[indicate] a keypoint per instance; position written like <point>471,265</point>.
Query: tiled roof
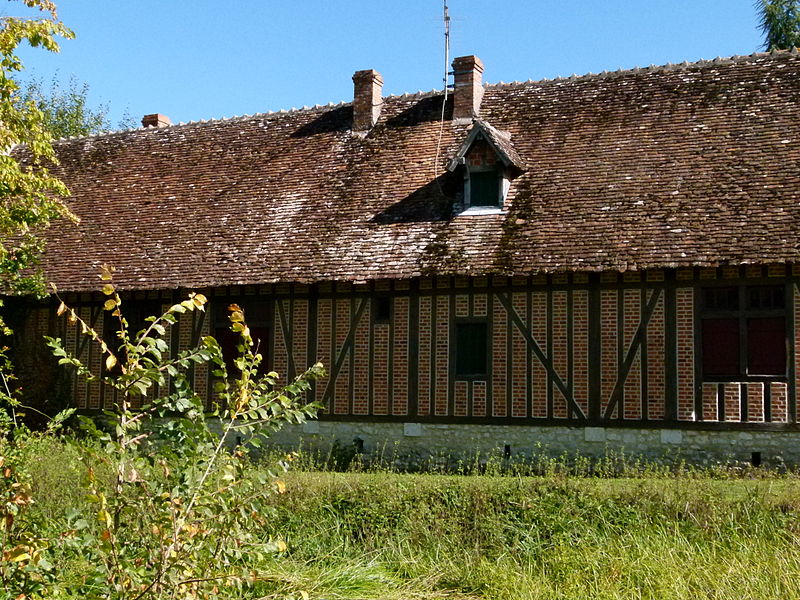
<point>694,164</point>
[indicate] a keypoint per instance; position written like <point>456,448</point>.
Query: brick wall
<point>372,359</point>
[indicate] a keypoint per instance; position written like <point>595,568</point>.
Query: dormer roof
<point>500,142</point>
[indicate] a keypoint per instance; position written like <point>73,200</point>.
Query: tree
<point>66,108</point>
<point>30,197</point>
<point>779,20</point>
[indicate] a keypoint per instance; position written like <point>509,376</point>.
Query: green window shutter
<point>484,188</point>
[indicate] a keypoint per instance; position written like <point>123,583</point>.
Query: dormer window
<point>489,162</point>
<point>484,188</point>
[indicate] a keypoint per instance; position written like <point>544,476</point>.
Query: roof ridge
<point>736,58</point>
<point>421,94</point>
<point>271,114</point>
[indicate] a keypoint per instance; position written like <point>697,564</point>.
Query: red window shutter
<point>721,347</point>
<point>766,346</point>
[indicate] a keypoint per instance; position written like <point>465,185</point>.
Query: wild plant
<point>185,531</point>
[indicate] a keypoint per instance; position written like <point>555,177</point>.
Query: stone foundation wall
<point>418,440</point>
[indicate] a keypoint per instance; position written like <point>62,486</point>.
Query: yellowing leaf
<point>110,304</point>
<point>62,308</point>
<point>108,289</point>
<point>105,272</point>
<point>17,554</point>
<point>104,517</point>
<point>281,546</point>
<point>281,486</point>
<point>111,360</point>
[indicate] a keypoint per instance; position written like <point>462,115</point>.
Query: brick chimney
<point>367,99</point>
<point>467,87</point>
<point>155,120</point>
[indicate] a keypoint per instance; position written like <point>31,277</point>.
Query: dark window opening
<point>256,315</point>
<point>383,309</point>
<point>721,298</point>
<point>743,332</point>
<point>766,297</point>
<point>471,349</point>
<point>484,188</point>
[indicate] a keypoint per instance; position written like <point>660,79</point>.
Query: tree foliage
<point>66,108</point>
<point>30,196</point>
<point>779,20</point>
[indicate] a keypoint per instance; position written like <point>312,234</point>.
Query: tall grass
<point>571,532</point>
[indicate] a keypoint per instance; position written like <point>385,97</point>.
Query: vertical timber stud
<point>290,345</point>
<point>698,356</point>
<point>413,350</point>
<point>371,366</point>
<point>451,370</point>
<point>643,360</point>
<point>570,350</point>
<point>549,345</point>
<point>272,325</point>
<point>594,349</point>
<point>509,359</point>
<point>470,314</point>
<point>329,399</point>
<point>351,375</point>
<point>311,347</point>
<point>528,351</point>
<point>670,352</point>
<point>621,374</point>
<point>490,360</point>
<point>791,388</point>
<point>434,329</point>
<point>390,353</point>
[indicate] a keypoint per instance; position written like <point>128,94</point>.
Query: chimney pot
<point>467,87</point>
<point>155,120</point>
<point>367,99</point>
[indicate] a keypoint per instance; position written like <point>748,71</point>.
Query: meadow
<point>554,530</point>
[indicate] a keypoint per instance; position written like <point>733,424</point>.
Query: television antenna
<point>446,18</point>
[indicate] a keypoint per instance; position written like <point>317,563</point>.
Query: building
<point>610,259</point>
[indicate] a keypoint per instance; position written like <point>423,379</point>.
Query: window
<point>485,188</point>
<point>382,305</point>
<point>256,315</point>
<point>743,332</point>
<point>471,349</point>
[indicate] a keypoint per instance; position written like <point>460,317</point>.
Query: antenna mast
<point>446,47</point>
<point>444,103</point>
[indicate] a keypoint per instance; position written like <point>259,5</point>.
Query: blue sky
<point>204,59</point>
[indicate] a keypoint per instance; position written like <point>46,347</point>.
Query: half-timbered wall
<point>563,349</point>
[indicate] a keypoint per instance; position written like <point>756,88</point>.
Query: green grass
<point>657,533</point>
